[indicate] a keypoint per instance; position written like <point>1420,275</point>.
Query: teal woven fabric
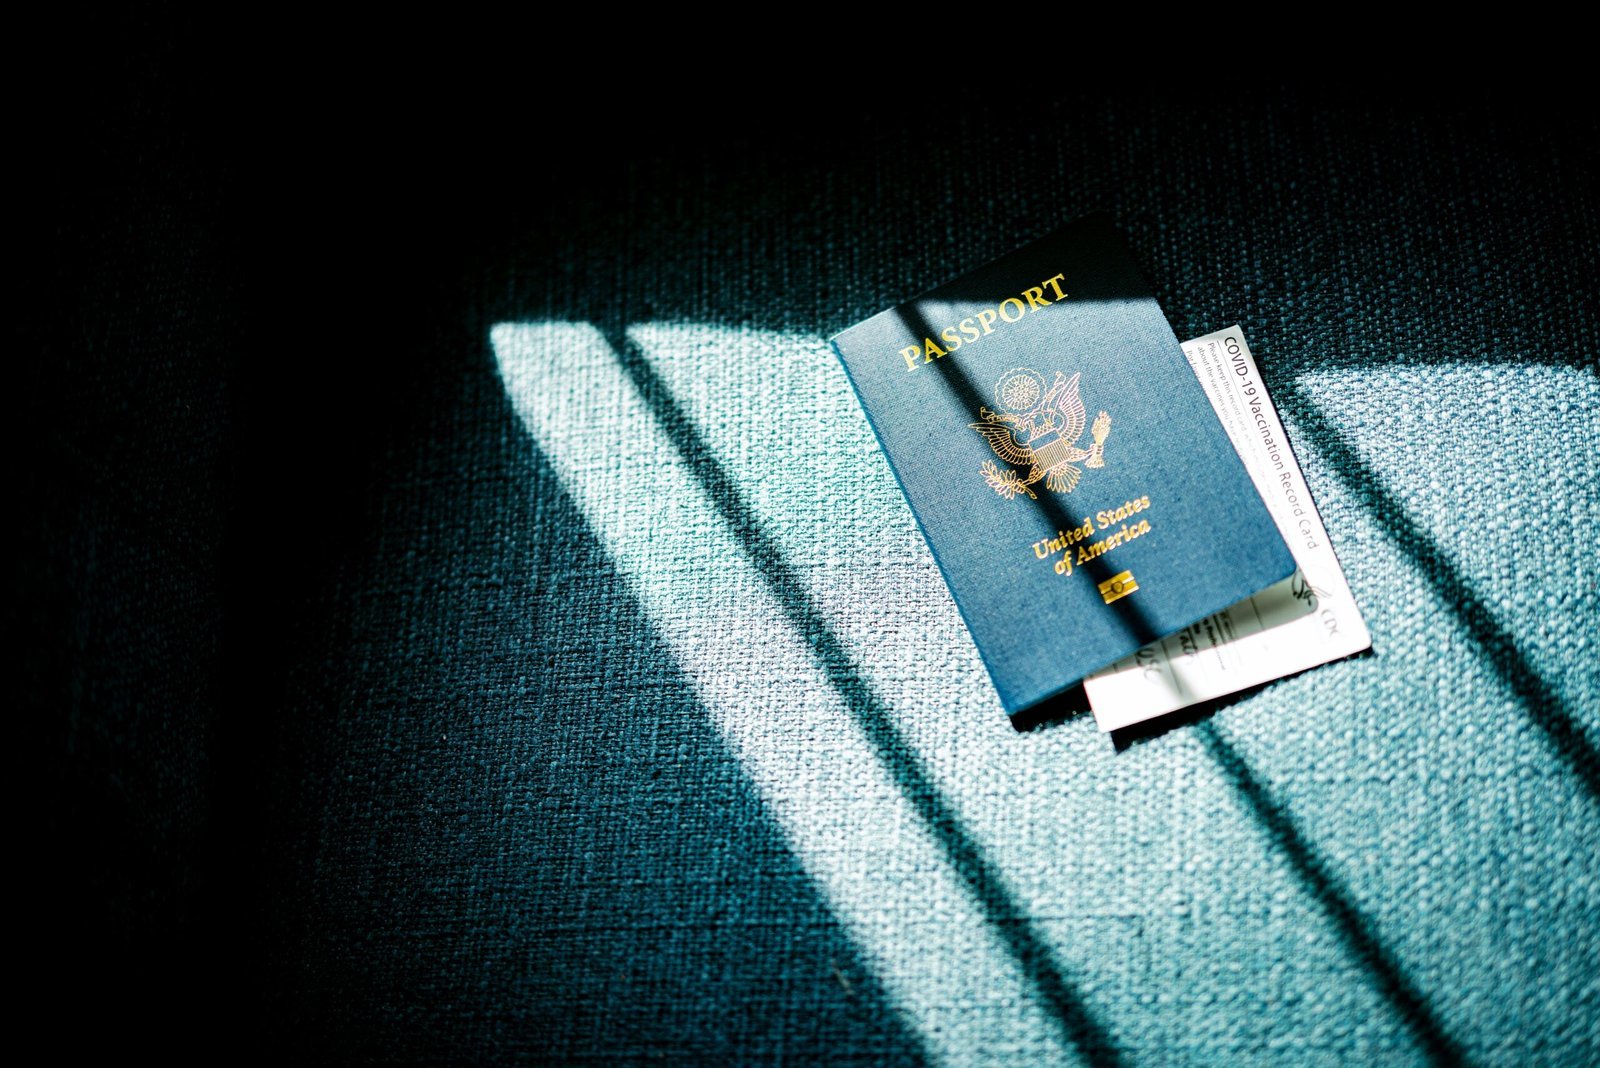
<point>675,743</point>
<point>1391,858</point>
<point>582,691</point>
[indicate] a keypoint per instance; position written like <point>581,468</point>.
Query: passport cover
<point>1071,478</point>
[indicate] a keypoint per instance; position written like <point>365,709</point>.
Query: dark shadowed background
<point>358,742</point>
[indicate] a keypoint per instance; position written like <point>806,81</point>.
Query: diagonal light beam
<point>775,678</point>
<point>1541,701</point>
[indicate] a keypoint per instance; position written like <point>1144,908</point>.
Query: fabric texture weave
<point>603,702</point>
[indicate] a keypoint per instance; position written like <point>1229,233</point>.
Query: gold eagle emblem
<point>1039,429</point>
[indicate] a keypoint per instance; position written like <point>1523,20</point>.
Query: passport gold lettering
<point>983,322</point>
<point>1125,534</point>
<point>1064,540</point>
<point>1069,403</point>
<point>1117,515</point>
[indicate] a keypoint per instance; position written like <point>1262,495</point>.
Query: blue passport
<point>1077,490</point>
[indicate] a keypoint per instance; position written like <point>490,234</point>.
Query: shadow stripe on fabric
<point>1362,944</point>
<point>806,727</point>
<point>724,496</point>
<point>1318,880</point>
<point>1540,700</point>
<point>1011,923</point>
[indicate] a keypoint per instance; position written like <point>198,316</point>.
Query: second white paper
<point>1306,620</point>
